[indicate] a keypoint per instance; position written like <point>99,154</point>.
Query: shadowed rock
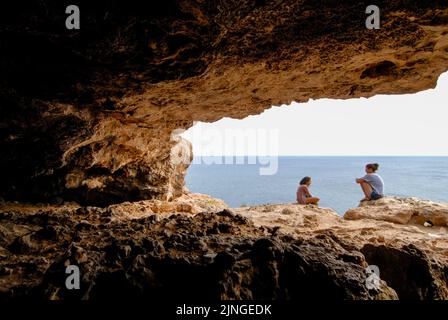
<point>225,254</point>
<point>91,115</point>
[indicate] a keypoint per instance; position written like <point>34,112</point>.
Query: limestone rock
<point>94,115</point>
<point>402,210</point>
<point>243,253</point>
<point>208,256</point>
<point>388,233</point>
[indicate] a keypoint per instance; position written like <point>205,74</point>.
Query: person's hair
<point>305,180</point>
<point>373,166</point>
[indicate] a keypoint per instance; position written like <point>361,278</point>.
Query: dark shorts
<point>375,195</point>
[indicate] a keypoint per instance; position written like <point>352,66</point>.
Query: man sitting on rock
<point>371,184</point>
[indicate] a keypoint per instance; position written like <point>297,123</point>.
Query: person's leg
<point>367,189</point>
<point>312,200</point>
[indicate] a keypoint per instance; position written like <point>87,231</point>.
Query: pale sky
<point>402,125</point>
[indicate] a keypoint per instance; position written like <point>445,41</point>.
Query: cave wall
<point>90,114</point>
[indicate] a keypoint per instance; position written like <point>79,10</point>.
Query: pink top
<point>302,194</point>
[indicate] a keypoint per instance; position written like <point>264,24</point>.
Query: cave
<point>88,116</point>
<point>90,121</point>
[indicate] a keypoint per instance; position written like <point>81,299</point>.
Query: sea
<point>237,180</point>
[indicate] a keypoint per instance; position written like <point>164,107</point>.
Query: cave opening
<point>260,159</point>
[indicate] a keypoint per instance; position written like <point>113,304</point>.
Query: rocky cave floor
<point>196,247</point>
<point>94,116</point>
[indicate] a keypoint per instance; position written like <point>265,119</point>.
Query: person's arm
<point>307,192</point>
<point>366,178</point>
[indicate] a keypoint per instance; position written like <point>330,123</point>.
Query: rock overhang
<point>89,115</point>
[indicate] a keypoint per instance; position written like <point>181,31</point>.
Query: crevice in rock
<point>409,271</point>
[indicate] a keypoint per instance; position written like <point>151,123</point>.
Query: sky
<point>389,125</point>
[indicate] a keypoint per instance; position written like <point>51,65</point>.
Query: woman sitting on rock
<point>371,184</point>
<point>303,194</point>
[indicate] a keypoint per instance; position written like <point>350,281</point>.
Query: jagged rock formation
<point>389,233</point>
<point>284,251</point>
<point>92,116</point>
<point>403,211</point>
<point>89,115</point>
<point>264,252</point>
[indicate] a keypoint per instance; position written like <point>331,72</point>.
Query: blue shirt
<point>376,182</point>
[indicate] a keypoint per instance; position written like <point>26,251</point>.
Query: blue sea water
<point>333,179</point>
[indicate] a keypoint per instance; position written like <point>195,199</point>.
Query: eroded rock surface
<point>402,210</point>
<point>389,233</point>
<point>266,252</point>
<point>89,115</point>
